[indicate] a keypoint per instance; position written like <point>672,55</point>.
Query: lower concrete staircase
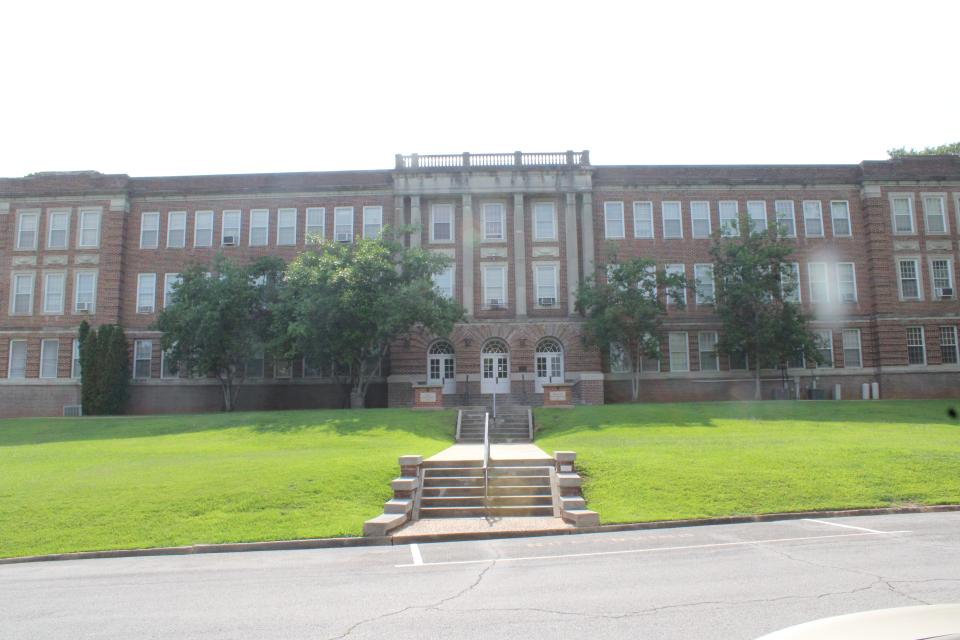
<point>512,424</point>
<point>455,489</point>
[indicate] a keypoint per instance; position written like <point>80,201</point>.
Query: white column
<point>573,257</point>
<point>398,219</point>
<point>519,255</point>
<point>415,220</point>
<point>466,248</point>
<point>586,221</point>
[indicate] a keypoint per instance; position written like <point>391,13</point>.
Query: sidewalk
<point>522,451</point>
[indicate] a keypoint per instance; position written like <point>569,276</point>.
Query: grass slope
<point>665,461</point>
<point>126,482</point>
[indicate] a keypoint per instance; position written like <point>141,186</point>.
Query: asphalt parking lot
<point>725,581</point>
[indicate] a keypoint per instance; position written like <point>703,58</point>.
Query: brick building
<point>876,253</point>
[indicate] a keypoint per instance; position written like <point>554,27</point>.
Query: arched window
<point>549,345</point>
<point>495,346</point>
<point>441,347</point>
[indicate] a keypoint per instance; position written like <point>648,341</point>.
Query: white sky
<point>169,88</point>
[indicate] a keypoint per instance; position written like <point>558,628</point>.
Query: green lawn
<point>100,483</point>
<point>664,461</point>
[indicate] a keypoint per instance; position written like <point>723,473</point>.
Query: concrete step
<point>446,464</point>
<point>514,471</point>
<point>479,512</point>
<point>462,472</point>
<point>511,490</point>
<point>440,492</point>
<point>479,501</point>
<point>518,481</point>
<point>447,481</point>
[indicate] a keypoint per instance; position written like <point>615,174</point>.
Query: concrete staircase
<point>454,489</point>
<point>510,425</point>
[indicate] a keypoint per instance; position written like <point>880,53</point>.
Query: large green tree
<point>218,318</point>
<point>949,149</point>
<point>346,303</point>
<point>625,310</point>
<point>104,369</point>
<point>755,293</point>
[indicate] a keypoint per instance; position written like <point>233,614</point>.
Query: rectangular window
<point>786,222</point>
<point>813,218</point>
<point>544,221</point>
<point>259,227</point>
<point>846,282</point>
<point>255,365</point>
<point>311,369</point>
<point>679,352</point>
<point>672,219</point>
<point>948,345</point>
<point>642,219</point>
<point>22,294</point>
<point>852,357</point>
<point>27,225</point>
<point>934,214</point>
<point>176,229</point>
<point>840,218</point>
<point>493,221</point>
<point>170,280</point>
<point>649,281</point>
<point>146,292</point>
<point>613,220</point>
<point>441,223</point>
<point>941,275</point>
<point>790,281</point>
<point>546,280</point>
<point>709,361</point>
<point>676,294</point>
<point>168,368</point>
<point>53,289</point>
<point>825,340</point>
<point>203,229</point>
<point>494,287</point>
<point>619,360</point>
<point>230,229</point>
<point>757,215</point>
<point>58,228</point>
<point>372,222</point>
<point>916,349</point>
<point>902,214</point>
<point>49,357</point>
<point>17,367</point>
<point>909,279</point>
<point>819,288</point>
<point>700,219</point>
<point>142,357</point>
<point>75,370</point>
<point>443,282</point>
<point>149,230</point>
<point>286,227</point>
<point>85,288</point>
<point>316,224</point>
<point>729,211</point>
<point>89,236</point>
<point>705,288</point>
<point>739,361</point>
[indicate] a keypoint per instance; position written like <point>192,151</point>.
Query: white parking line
<point>415,552</point>
<point>845,526</point>
<point>646,550</point>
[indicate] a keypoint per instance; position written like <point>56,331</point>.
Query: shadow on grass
<point>342,422</point>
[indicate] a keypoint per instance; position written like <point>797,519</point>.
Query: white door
<point>442,370</point>
<point>496,373</point>
<point>548,363</point>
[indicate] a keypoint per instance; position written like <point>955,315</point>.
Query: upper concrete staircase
<point>512,424</point>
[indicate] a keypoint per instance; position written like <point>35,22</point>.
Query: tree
<point>104,369</point>
<point>755,287</point>
<point>346,303</point>
<point>217,321</point>
<point>949,149</point>
<point>625,312</point>
<point>89,383</point>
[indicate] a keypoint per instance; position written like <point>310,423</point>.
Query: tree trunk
<point>227,395</point>
<point>756,392</point>
<point>356,399</point>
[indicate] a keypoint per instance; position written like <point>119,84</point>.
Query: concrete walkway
<point>433,526</point>
<point>522,451</point>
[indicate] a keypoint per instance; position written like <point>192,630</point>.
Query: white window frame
<point>75,370</point>
<point>83,226</point>
<point>165,374</point>
<point>840,283</point>
<point>698,269</point>
<point>551,209</point>
<point>198,228</point>
<point>933,283</point>
<point>540,268</point>
<point>752,210</point>
<point>259,221</point>
<point>843,344</point>
<point>146,288</point>
<point>812,206</point>
<point>834,205</point>
<point>59,309</point>
<point>10,360</point>
<point>680,269</point>
<point>449,272</point>
<point>922,345</point>
<point>486,270</point>
<point>701,350</point>
<point>369,213</point>
<point>176,222</point>
<point>52,214</point>
<point>137,359</point>
<point>814,299</point>
<point>672,353</point>
<point>494,212</point>
<point>234,229</point>
<point>612,210</point>
<point>704,207</point>
<point>796,296</point>
<point>169,279</point>
<point>917,272</point>
<point>726,217</point>
<point>941,200</point>
<point>28,214</point>
<point>784,210</point>
<point>908,197</point>
<point>14,280</point>
<point>45,345</point>
<point>952,343</point>
<point>313,230</point>
<point>287,222</point>
<point>825,336</point>
<point>149,223</point>
<point>678,218</point>
<point>76,289</point>
<point>643,209</point>
<point>442,208</point>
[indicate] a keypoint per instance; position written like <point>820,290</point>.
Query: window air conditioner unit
<point>72,411</point>
<point>229,241</point>
<point>344,237</point>
<point>495,303</point>
<point>144,309</point>
<point>945,292</point>
<point>83,307</point>
<point>547,302</point>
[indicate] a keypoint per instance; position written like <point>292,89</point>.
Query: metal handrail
<point>459,422</point>
<point>486,459</point>
<point>530,423</point>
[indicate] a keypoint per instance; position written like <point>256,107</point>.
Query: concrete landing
<point>435,526</point>
<point>520,451</point>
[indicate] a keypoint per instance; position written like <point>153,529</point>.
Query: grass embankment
<point>666,461</point>
<point>125,482</point>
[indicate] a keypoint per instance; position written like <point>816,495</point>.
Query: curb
<point>396,540</point>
